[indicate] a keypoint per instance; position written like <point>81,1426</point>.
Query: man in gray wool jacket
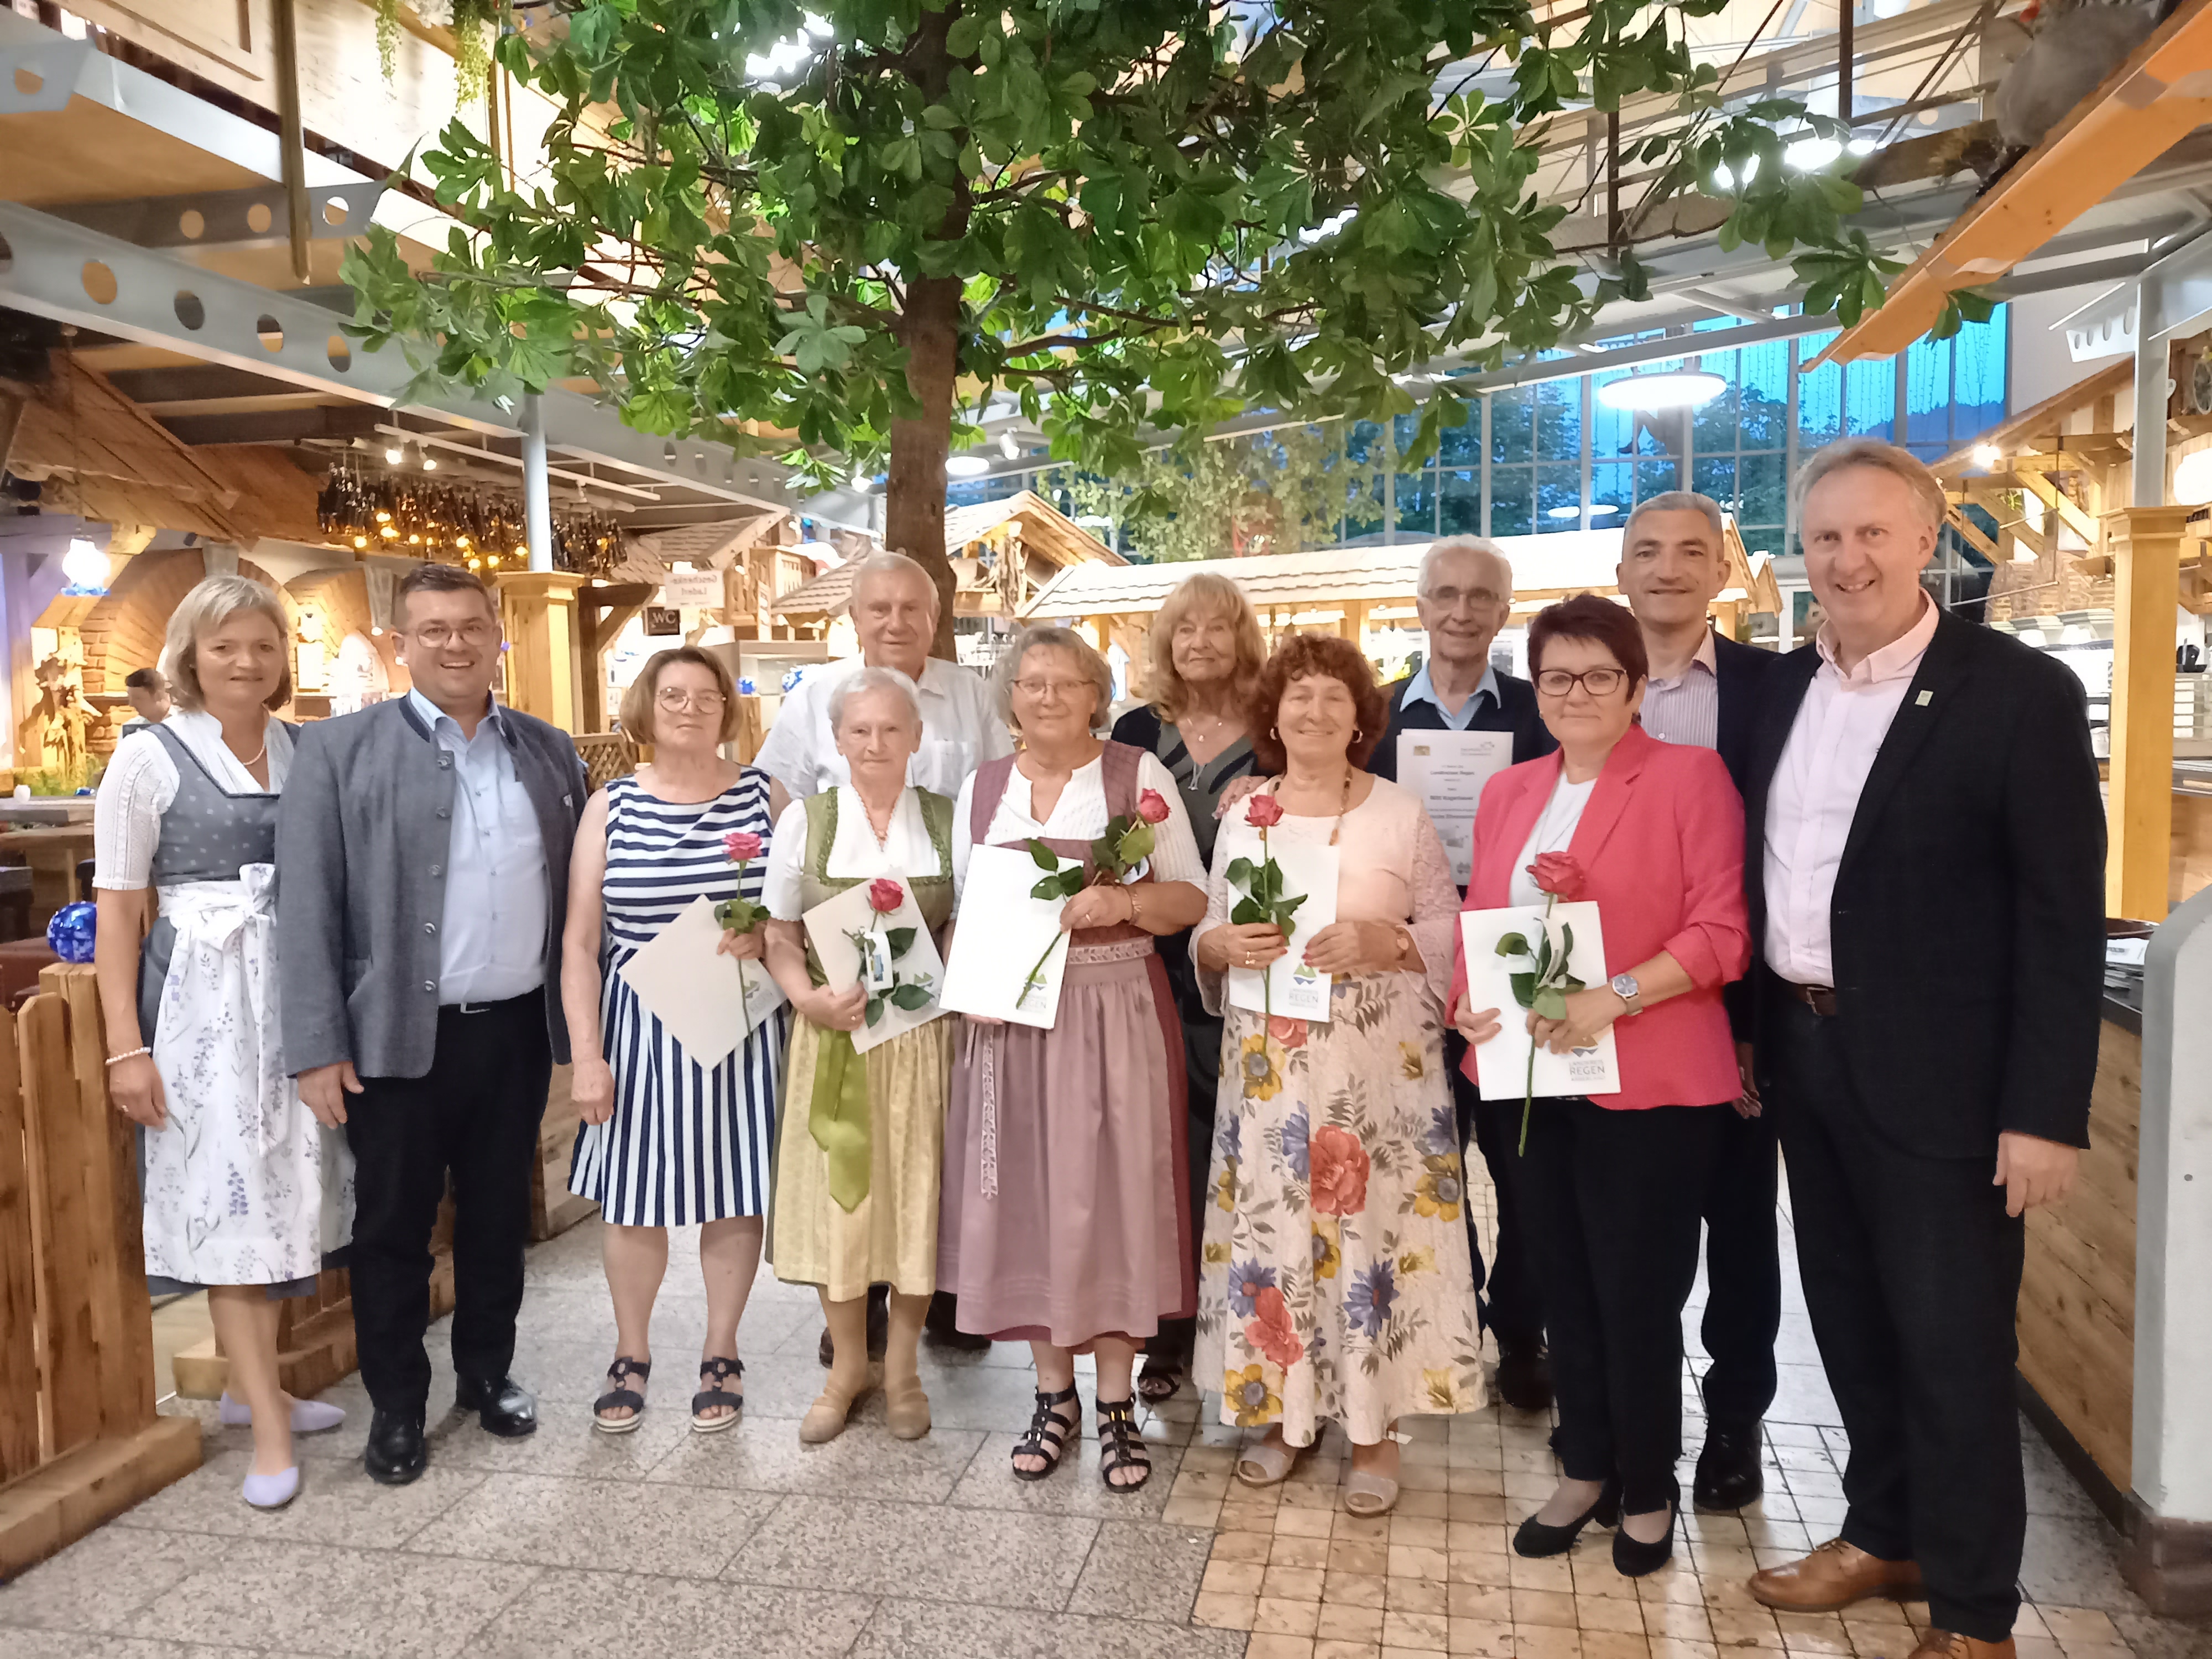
<point>422,870</point>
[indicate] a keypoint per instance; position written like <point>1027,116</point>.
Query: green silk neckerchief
<point>838,1115</point>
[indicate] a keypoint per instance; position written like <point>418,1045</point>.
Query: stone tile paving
<point>667,1543</point>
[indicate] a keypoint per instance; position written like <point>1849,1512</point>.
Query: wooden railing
<point>79,1439</point>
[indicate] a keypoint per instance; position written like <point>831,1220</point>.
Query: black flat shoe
<point>1728,1475</point>
<point>505,1407</point>
<point>941,1326</point>
<point>396,1453</point>
<point>1524,1377</point>
<point>1632,1558</point>
<point>1535,1540</point>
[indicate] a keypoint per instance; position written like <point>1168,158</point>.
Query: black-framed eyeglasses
<point>1598,681</point>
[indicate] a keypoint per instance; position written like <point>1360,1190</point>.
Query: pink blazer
<point>1661,844</point>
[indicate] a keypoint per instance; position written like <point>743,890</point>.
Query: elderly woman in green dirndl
<point>860,1143</point>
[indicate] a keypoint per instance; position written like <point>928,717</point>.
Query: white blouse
<point>856,853</point>
<point>1080,814</point>
<point>140,785</point>
<point>1555,829</point>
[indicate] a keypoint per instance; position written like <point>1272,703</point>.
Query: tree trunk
<point>914,501</point>
<point>914,498</point>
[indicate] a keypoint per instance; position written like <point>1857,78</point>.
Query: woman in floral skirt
<point>1337,1283</point>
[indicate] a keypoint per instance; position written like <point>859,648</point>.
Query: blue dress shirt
<point>493,937</point>
<point>1419,689</point>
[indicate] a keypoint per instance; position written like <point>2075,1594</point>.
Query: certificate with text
<point>1447,770</point>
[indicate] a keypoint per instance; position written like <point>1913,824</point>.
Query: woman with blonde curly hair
<point>1337,1283</point>
<point>1202,661</point>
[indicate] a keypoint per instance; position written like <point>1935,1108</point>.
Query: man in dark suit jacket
<point>1705,689</point>
<point>422,862</point>
<point>1925,875</point>
<point>1465,593</point>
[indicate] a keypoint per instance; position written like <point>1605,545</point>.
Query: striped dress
<point>684,1145</point>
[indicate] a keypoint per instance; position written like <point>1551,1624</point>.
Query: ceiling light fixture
<point>85,565</point>
<point>394,453</point>
<point>1563,512</point>
<point>1672,388</point>
<point>967,466</point>
<point>1988,455</point>
<point>1008,448</point>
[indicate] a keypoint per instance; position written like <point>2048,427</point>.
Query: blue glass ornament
<point>69,933</point>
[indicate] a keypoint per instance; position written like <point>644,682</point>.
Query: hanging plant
<point>387,37</point>
<point>469,21</point>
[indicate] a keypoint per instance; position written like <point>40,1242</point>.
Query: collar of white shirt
<point>432,714</point>
<point>1422,689</point>
<point>1898,660</point>
<point>1707,658</point>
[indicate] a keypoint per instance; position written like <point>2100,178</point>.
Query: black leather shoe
<point>1632,1558</point>
<point>396,1453</point>
<point>1524,1377</point>
<point>505,1407</point>
<point>1535,1540</point>
<point>943,1328</point>
<point>1728,1475</point>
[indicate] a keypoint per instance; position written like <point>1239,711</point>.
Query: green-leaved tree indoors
<point>1140,216</point>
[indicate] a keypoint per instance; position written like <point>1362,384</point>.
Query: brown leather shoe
<point>1949,1644</point>
<point>1831,1577</point>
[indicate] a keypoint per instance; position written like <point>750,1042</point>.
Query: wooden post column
<point>538,608</point>
<point>2145,542</point>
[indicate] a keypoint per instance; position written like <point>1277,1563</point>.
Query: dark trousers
<point>474,1115</point>
<point>1743,1270</point>
<point>1511,1310</point>
<point>1201,1059</point>
<point>1911,1272</point>
<point>1611,1199</point>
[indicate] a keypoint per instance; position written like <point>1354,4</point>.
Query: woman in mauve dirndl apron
<point>244,1194</point>
<point>1065,1215</point>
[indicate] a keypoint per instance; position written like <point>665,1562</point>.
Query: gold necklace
<point>1343,804</point>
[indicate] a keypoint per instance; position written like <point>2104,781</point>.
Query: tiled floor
<point>664,1543</point>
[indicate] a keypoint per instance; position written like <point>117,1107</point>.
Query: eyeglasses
<point>677,703</point>
<point>1043,688</point>
<point>1598,681</point>
<point>432,636</point>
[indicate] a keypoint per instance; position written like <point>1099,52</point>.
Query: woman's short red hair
<point>1600,621</point>
<point>1297,658</point>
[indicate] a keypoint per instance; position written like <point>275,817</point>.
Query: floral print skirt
<point>1336,1282</point>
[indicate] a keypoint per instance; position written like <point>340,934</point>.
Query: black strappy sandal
<point>1158,1379</point>
<point>1118,1446</point>
<point>713,1373</point>
<point>622,1370</point>
<point>1048,1432</point>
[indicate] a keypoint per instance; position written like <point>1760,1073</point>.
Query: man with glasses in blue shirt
<point>1464,592</point>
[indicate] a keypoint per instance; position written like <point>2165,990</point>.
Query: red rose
<point>1340,1165</point>
<point>885,895</point>
<point>1288,1033</point>
<point>1560,874</point>
<point>1152,807</point>
<point>741,846</point>
<point>1270,1329</point>
<point>1264,813</point>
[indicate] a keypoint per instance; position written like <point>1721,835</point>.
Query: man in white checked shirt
<point>1705,689</point>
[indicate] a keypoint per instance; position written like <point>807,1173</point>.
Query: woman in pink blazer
<point>1612,1184</point>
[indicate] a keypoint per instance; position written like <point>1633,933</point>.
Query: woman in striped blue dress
<point>669,1140</point>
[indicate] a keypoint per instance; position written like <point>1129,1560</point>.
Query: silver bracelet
<point>128,1054</point>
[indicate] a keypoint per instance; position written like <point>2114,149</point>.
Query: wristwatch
<point>1625,988</point>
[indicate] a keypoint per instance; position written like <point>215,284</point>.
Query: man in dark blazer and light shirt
<point>1464,592</point>
<point>1925,875</point>
<point>422,863</point>
<point>1706,690</point>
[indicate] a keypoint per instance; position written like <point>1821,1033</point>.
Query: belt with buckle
<point>1820,999</point>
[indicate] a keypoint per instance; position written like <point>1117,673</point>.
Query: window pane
<point>1656,478</point>
<point>1870,397</point>
<point>1820,397</point>
<point>1461,505</point>
<point>1510,492</point>
<point>1715,478</point>
<point>1512,415</point>
<point>1764,398</point>
<point>1713,424</point>
<point>1363,444</point>
<point>1662,431</point>
<point>1762,488</point>
<point>1461,445</point>
<point>1363,507</point>
<point>1978,377</point>
<point>1558,487</point>
<point>1560,420</point>
<point>1613,481</point>
<point>1761,538</point>
<point>1417,504</point>
<point>1928,392</point>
